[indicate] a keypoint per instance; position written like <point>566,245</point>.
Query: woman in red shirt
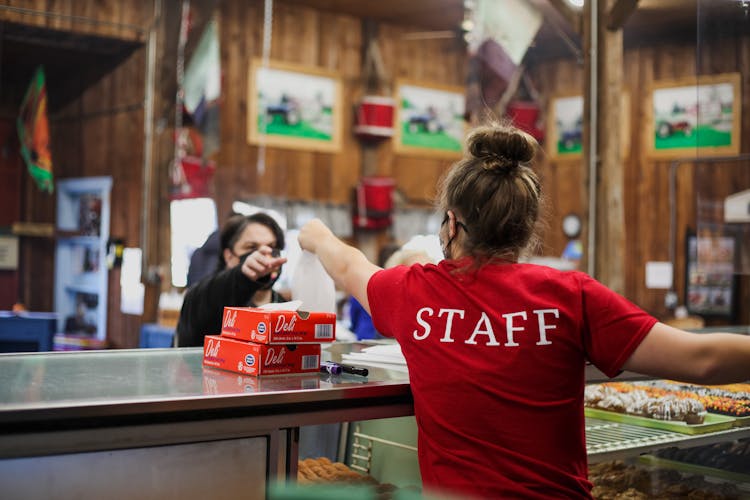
<point>496,349</point>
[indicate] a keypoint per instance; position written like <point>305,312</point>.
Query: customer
<point>248,266</point>
<point>496,349</point>
<point>392,255</point>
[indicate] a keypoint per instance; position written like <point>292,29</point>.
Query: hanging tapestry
<point>33,132</point>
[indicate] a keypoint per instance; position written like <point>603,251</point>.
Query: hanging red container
<point>525,116</point>
<point>197,179</point>
<point>375,117</point>
<point>374,203</point>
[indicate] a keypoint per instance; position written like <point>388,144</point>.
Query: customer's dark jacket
<point>204,259</point>
<point>203,307</point>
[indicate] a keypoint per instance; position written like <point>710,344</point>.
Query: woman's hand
<point>261,263</point>
<point>311,234</point>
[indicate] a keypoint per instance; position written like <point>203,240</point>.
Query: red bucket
<point>374,202</point>
<point>198,176</point>
<point>378,195</point>
<point>375,117</point>
<point>525,116</point>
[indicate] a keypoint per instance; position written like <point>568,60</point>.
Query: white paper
<point>312,285</point>
<point>8,252</point>
<point>292,305</point>
<point>383,355</point>
<point>132,291</point>
<point>131,298</point>
<point>659,275</point>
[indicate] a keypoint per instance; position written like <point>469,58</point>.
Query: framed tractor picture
<point>429,119</point>
<point>565,127</point>
<point>694,117</point>
<point>294,106</point>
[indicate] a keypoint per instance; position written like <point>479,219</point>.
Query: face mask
<point>272,281</point>
<point>446,248</point>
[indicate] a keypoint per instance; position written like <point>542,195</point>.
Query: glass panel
<point>722,173</point>
<point>192,221</point>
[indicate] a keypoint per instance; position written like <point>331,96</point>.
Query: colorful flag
<point>33,132</point>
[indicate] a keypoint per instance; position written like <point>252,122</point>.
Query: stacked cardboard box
<point>256,341</point>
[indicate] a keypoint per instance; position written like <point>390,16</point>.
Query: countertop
<point>58,390</point>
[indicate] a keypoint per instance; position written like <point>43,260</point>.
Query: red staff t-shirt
<point>496,361</point>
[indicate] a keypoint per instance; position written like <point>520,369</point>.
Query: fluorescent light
<point>576,3</point>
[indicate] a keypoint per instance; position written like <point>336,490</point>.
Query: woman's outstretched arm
<point>703,358</point>
<point>348,266</point>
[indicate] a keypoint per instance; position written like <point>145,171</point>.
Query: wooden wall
<point>333,42</point>
<point>646,180</point>
<point>108,18</point>
<point>101,132</point>
<point>98,133</point>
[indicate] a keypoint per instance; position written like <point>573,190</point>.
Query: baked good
<point>322,470</point>
<point>644,401</point>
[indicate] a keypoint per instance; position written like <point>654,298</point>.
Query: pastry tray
<point>711,423</point>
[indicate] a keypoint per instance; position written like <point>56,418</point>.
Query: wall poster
<point>695,116</point>
<point>294,106</point>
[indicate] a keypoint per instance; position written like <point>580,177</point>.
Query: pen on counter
<point>354,370</point>
<point>332,368</point>
<point>337,369</point>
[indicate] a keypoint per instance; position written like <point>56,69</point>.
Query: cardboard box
<point>260,359</point>
<point>266,326</point>
<point>220,382</point>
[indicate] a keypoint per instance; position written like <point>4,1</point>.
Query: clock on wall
<point>571,225</point>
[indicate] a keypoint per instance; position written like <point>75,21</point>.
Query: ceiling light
<point>576,3</point>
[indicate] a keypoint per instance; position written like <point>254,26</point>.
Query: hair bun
<point>501,147</point>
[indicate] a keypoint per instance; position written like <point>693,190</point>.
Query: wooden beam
<point>571,15</point>
<point>619,13</point>
<point>609,225</point>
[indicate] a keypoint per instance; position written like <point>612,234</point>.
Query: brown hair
<point>234,226</point>
<point>495,193</point>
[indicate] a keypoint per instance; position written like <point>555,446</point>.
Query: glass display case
<point>629,457</point>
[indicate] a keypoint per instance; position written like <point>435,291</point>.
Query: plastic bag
<point>312,285</point>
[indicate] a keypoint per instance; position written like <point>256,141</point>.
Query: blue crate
<point>156,335</point>
<point>27,331</point>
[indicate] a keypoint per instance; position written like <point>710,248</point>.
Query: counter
<point>155,423</point>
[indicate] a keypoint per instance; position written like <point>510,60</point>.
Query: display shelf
<point>607,440</point>
<point>83,207</point>
<point>664,463</point>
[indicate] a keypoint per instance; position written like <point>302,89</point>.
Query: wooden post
<point>608,168</point>
<point>155,219</point>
